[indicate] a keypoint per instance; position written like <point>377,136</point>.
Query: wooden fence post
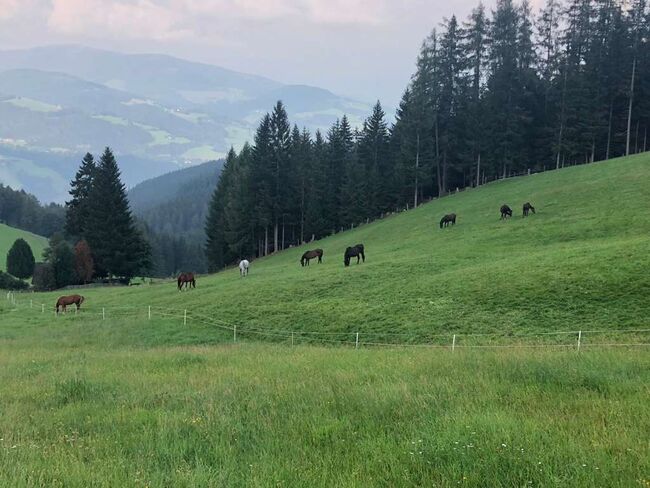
<point>234,333</point>
<point>453,343</point>
<point>184,317</point>
<point>579,339</point>
<point>103,313</point>
<point>356,344</point>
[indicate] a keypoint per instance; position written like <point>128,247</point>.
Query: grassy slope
<point>580,263</point>
<point>118,402</point>
<point>8,236</point>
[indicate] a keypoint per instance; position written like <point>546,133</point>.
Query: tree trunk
<point>629,109</point>
<point>478,170</point>
<point>636,138</point>
<point>559,143</point>
<point>276,229</point>
<point>438,158</point>
<point>282,245</point>
<point>609,129</point>
<point>417,170</point>
<point>266,241</point>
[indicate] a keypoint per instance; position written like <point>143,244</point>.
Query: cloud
<point>139,19</point>
<point>163,20</point>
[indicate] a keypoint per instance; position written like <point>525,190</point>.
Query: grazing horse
<point>351,252</point>
<point>448,219</point>
<point>64,301</point>
<point>505,211</point>
<point>243,267</point>
<point>309,255</point>
<point>186,279</point>
<point>527,208</point>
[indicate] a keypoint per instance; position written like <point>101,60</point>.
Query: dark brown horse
<point>64,301</point>
<point>186,279</point>
<point>527,208</point>
<point>448,219</point>
<point>505,211</point>
<point>351,252</point>
<point>309,255</point>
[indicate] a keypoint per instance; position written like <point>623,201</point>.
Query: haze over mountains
<point>157,112</point>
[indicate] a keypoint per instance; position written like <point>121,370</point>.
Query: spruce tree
<point>20,260</point>
<point>60,257</point>
<point>118,247</point>
<point>77,213</point>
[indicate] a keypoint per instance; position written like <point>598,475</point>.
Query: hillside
<point>181,405</point>
<point>8,236</point>
<point>579,263</point>
<point>157,112</point>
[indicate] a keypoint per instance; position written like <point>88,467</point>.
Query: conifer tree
<point>77,212</point>
<point>20,259</point>
<point>119,248</point>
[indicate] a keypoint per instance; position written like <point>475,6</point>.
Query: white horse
<point>243,267</point>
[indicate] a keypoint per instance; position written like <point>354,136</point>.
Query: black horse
<point>448,219</point>
<point>527,208</point>
<point>505,211</point>
<point>309,255</point>
<point>351,252</point>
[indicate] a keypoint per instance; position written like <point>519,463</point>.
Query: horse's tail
<point>302,260</point>
<point>442,221</point>
<point>81,299</point>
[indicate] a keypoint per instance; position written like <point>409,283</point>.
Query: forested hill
<point>166,188</point>
<point>500,93</point>
<point>174,208</point>
<point>21,210</point>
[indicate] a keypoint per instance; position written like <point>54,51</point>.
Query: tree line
<point>497,94</point>
<point>21,210</point>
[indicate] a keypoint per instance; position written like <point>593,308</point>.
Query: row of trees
<point>98,216</point>
<point>498,94</point>
<point>22,210</point>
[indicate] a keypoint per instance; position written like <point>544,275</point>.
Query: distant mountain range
<point>158,113</point>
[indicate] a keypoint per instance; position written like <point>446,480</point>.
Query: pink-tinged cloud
<point>139,19</point>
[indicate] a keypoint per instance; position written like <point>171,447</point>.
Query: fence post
<point>356,344</point>
<point>579,339</point>
<point>453,343</point>
<point>292,339</point>
<point>149,312</point>
<point>42,308</point>
<point>234,333</point>
<point>31,304</point>
<point>185,317</point>
<point>103,313</point>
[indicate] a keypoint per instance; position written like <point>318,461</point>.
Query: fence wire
<point>562,340</point>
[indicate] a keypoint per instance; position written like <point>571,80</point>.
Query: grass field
<point>8,236</point>
<point>133,401</point>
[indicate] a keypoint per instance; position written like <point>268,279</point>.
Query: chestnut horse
<point>309,255</point>
<point>64,301</point>
<point>186,279</point>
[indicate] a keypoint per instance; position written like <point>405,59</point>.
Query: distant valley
<point>158,113</point>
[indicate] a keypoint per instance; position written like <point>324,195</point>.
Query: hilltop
<point>158,113</point>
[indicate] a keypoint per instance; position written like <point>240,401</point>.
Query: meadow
<point>8,236</point>
<point>127,400</point>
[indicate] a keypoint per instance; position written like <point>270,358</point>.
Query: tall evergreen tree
<point>77,208</point>
<point>119,248</point>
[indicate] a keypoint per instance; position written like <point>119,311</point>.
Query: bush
<point>43,277</point>
<point>8,282</point>
<point>20,260</point>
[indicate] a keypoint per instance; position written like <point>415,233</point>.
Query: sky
<point>364,49</point>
